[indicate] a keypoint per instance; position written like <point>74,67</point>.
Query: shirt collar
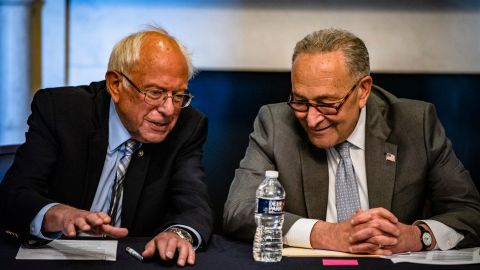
<point>117,133</point>
<point>357,138</point>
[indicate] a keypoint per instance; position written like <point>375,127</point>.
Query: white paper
<point>72,250</point>
<point>309,252</point>
<point>447,257</point>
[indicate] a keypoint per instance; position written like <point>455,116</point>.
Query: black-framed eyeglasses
<point>157,97</point>
<point>323,108</point>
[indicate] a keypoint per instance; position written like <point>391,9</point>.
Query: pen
<point>134,254</point>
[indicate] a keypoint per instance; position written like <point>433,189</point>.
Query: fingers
<point>360,217</point>
<point>92,218</point>
<point>369,240</point>
<point>69,230</point>
<point>380,213</point>
<point>98,218</point>
<point>373,231</point>
<point>114,232</point>
<point>96,223</point>
<point>383,241</point>
<point>150,249</point>
<point>186,254</point>
<point>87,221</point>
<point>69,220</point>
<point>373,228</point>
<point>370,249</point>
<point>171,247</point>
<point>373,222</point>
<point>167,244</point>
<point>191,255</point>
<point>81,224</point>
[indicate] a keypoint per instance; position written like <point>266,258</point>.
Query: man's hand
<point>409,239</point>
<point>371,229</point>
<point>375,231</point>
<point>166,244</point>
<point>365,232</point>
<point>69,220</point>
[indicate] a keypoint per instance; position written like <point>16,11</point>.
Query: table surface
<point>222,253</point>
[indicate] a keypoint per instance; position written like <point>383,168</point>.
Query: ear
<point>364,90</point>
<point>114,82</point>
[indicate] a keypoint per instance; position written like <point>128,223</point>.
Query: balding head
<point>128,52</point>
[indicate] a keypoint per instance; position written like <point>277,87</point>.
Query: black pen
<point>134,254</point>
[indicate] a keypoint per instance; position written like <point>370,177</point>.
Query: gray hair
<point>126,53</point>
<point>330,40</point>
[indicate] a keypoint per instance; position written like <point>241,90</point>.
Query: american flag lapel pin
<point>390,157</point>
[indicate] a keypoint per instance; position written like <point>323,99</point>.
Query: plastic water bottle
<point>268,242</point>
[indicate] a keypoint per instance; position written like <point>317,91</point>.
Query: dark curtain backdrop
<point>231,101</point>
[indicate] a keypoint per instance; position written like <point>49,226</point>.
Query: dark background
<point>231,101</point>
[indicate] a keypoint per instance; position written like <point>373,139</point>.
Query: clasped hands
<point>70,220</point>
<point>374,231</point>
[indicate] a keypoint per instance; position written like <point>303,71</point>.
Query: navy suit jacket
<point>63,156</point>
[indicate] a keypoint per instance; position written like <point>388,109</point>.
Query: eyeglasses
<point>157,97</point>
<point>323,108</point>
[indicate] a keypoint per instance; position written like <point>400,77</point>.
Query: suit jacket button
<point>140,153</point>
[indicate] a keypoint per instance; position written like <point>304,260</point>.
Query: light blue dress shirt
<point>117,135</point>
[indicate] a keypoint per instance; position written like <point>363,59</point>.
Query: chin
<point>321,142</point>
<point>153,138</point>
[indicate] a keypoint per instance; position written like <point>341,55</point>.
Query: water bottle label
<point>271,207</point>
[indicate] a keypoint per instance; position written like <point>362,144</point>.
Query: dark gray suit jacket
<point>62,160</point>
<point>426,170</point>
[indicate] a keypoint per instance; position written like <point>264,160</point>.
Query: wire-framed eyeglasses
<point>159,96</point>
<point>323,108</point>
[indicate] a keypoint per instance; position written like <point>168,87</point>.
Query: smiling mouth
<point>320,129</point>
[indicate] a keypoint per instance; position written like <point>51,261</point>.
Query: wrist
<point>182,233</point>
<point>417,245</point>
<point>324,235</point>
<point>425,237</point>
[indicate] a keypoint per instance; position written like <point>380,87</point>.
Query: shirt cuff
<point>36,225</point>
<point>192,231</point>
<point>446,237</point>
<point>299,234</point>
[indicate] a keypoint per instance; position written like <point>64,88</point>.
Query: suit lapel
<point>315,180</point>
<point>134,182</point>
<point>380,156</point>
<point>97,146</point>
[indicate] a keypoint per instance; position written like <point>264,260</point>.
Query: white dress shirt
<point>299,233</point>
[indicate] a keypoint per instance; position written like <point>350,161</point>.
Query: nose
<point>167,107</point>
<point>314,117</point>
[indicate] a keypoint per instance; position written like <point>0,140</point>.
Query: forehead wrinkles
<point>320,74</point>
<point>325,88</point>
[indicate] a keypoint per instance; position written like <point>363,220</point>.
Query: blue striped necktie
<point>346,189</point>
<point>115,209</point>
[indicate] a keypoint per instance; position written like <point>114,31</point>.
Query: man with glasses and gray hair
<point>117,157</point>
<point>359,165</point>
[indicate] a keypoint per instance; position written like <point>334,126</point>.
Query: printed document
<point>448,257</point>
<point>72,250</point>
<point>451,257</point>
<point>309,252</point>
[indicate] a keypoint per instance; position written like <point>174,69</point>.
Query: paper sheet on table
<point>308,252</point>
<point>447,257</point>
<point>72,250</point>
